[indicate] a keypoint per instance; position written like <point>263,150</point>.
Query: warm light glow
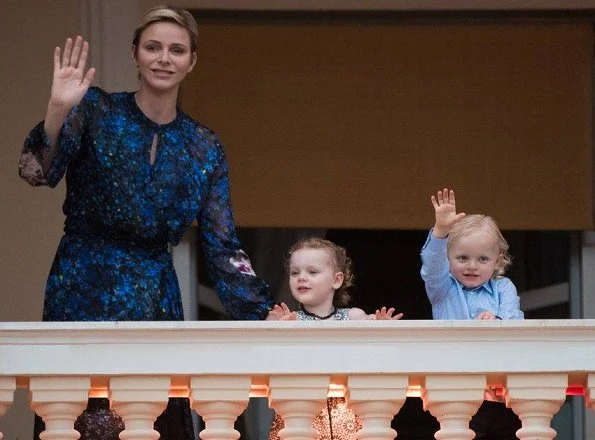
<point>179,387</point>
<point>336,390</point>
<point>260,386</point>
<point>575,391</point>
<point>414,391</point>
<point>99,387</point>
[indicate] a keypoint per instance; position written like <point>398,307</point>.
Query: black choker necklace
<point>314,315</point>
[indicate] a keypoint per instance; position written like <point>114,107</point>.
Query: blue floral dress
<point>123,210</point>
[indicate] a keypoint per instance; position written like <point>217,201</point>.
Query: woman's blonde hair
<point>172,15</point>
<point>339,261</point>
<point>476,222</point>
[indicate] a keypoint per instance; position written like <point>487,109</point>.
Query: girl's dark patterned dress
<point>122,212</point>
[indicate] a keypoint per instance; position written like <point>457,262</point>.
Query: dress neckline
<point>148,121</point>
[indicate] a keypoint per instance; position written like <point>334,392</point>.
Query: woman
<point>138,172</point>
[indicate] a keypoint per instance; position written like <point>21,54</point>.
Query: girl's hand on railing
<point>384,314</point>
<point>280,312</point>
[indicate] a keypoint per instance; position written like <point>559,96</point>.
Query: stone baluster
<point>220,400</point>
<point>376,399</point>
<point>535,398</point>
<point>139,400</point>
<point>453,400</point>
<point>59,400</point>
<point>298,399</point>
<point>7,387</point>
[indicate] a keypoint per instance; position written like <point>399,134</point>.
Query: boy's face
<point>474,258</point>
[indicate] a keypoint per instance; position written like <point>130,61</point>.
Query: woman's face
<point>163,56</point>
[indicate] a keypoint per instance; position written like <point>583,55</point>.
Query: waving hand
<point>446,212</point>
<point>69,85</point>
<point>70,81</point>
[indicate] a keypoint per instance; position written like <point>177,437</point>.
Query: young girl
<point>464,260</point>
<point>320,275</point>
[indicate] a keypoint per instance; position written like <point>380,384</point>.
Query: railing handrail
<point>267,348</point>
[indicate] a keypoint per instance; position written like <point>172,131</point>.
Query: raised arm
<point>69,85</point>
<point>435,268</point>
<point>446,213</point>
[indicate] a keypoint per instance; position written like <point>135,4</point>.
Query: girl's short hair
<point>476,222</point>
<point>172,15</point>
<point>339,261</point>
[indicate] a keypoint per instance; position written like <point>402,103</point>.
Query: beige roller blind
<point>352,124</point>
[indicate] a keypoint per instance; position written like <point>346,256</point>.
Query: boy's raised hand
<point>446,213</point>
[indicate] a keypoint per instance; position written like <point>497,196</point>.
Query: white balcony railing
<point>219,365</point>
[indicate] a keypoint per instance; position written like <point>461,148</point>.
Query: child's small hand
<point>385,313</point>
<point>486,315</point>
<point>446,213</point>
<point>280,312</point>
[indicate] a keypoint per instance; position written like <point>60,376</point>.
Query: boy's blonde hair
<point>476,222</point>
<point>172,15</point>
<point>339,261</point>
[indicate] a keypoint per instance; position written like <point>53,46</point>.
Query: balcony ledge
<point>265,348</point>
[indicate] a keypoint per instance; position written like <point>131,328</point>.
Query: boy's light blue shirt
<point>450,300</point>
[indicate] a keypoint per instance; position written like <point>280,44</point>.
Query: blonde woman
<point>138,172</point>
